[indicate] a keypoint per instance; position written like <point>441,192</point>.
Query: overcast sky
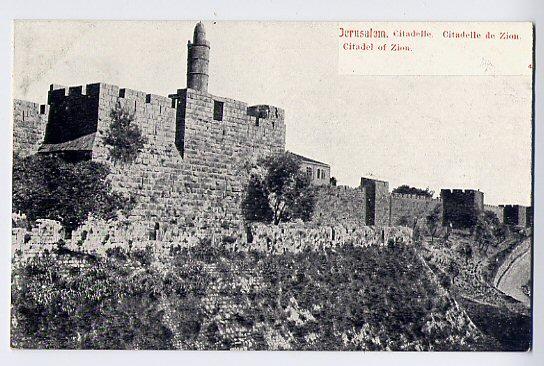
<point>426,131</point>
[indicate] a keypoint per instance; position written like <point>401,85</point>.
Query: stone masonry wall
<point>515,215</point>
<point>377,201</point>
<point>29,121</point>
<point>97,237</point>
<point>193,168</point>
<point>340,204</point>
<point>461,207</point>
<point>370,204</point>
<point>297,237</point>
<point>408,208</point>
<point>497,210</point>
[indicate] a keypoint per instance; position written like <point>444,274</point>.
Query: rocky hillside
<point>470,276</point>
<point>348,298</point>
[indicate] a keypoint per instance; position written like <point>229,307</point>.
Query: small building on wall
<point>319,173</point>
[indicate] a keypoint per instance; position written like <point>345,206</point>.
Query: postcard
<point>243,185</point>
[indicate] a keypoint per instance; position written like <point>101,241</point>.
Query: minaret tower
<point>198,57</point>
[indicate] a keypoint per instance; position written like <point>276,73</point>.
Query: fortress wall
<point>377,201</point>
<point>217,153</point>
<point>298,237</point>
<point>73,113</point>
<point>29,121</point>
<point>497,210</point>
<point>407,208</point>
<point>192,169</point>
<point>340,204</point>
<point>461,207</point>
<point>515,215</point>
<point>98,237</point>
<point>159,180</point>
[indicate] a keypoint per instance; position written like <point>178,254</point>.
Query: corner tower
<point>198,57</point>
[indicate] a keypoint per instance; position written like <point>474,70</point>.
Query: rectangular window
<point>217,110</point>
<point>309,172</point>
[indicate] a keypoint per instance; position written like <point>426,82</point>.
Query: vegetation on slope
<point>466,264</point>
<point>350,298</point>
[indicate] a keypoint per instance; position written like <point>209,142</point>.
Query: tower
<point>461,208</point>
<point>377,201</point>
<point>198,57</point>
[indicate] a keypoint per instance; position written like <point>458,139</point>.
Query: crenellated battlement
<point>58,93</point>
<point>459,191</point>
<point>415,197</point>
<point>510,207</point>
<point>461,208</point>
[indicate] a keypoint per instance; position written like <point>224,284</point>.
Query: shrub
<point>124,137</point>
<point>47,187</point>
<point>115,303</point>
<point>350,292</point>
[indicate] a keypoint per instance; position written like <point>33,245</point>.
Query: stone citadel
<point>192,170</point>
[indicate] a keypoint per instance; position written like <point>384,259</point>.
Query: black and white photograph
<point>272,186</point>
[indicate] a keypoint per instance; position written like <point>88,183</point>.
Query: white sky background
<point>435,131</point>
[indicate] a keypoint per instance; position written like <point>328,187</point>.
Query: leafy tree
<point>466,252</point>
<point>433,221</point>
<point>124,137</point>
<point>282,192</point>
<point>255,206</point>
<point>406,189</point>
<point>486,229</point>
<point>48,187</point>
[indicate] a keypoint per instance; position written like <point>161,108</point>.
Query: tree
<point>47,187</point>
<point>406,189</point>
<point>281,192</point>
<point>255,206</point>
<point>453,270</point>
<point>485,230</point>
<point>124,137</point>
<point>433,221</point>
<point>466,252</point>
<point>333,181</point>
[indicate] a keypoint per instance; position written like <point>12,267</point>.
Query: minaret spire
<point>198,57</point>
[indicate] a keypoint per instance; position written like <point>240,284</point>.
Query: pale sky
<point>425,131</point>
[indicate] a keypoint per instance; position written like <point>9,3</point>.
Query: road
<point>516,275</point>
